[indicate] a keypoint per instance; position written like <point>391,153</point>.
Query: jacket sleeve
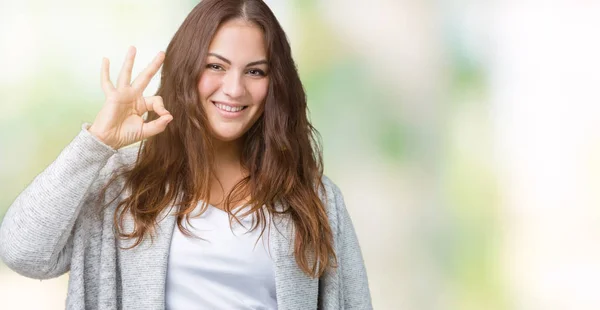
<point>36,237</point>
<point>353,274</point>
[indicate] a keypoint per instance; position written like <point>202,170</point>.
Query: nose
<point>233,85</point>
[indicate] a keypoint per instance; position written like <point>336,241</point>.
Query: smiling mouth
<point>228,108</point>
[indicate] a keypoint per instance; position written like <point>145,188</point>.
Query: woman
<point>223,205</point>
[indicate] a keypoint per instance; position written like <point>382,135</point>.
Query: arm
<point>35,236</point>
<point>36,233</point>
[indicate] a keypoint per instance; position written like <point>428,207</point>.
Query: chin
<point>227,135</point>
<point>226,138</point>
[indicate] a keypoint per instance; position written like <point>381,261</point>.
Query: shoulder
<point>332,191</point>
<point>333,200</point>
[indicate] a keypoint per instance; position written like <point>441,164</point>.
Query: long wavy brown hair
<point>281,151</point>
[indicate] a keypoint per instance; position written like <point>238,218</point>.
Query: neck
<point>227,154</point>
<point>227,170</point>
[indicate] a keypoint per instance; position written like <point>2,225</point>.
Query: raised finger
<point>107,85</point>
<point>125,74</point>
<point>142,80</point>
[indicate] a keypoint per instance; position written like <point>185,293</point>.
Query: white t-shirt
<point>226,269</point>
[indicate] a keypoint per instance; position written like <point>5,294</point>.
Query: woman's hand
<point>119,123</point>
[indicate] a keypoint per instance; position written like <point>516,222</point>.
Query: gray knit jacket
<point>51,228</point>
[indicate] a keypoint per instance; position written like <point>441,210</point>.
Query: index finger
<point>142,80</point>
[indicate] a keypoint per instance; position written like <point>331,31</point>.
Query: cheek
<point>207,85</point>
<point>259,91</point>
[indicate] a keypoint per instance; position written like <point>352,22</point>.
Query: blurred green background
<point>463,134</point>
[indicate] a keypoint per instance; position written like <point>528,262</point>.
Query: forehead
<point>239,40</point>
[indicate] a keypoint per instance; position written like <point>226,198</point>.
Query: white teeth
<point>228,108</point>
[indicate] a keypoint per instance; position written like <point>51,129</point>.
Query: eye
<point>215,67</point>
<point>256,72</point>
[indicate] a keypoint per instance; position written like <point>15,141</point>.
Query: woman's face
<point>234,83</point>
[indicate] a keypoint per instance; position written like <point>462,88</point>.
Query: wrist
<point>101,136</point>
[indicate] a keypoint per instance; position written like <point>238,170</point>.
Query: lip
<point>227,114</point>
<point>234,105</point>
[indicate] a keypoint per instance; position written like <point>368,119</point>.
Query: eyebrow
<point>254,63</point>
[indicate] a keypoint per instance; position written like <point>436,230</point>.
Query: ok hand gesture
<point>119,123</point>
